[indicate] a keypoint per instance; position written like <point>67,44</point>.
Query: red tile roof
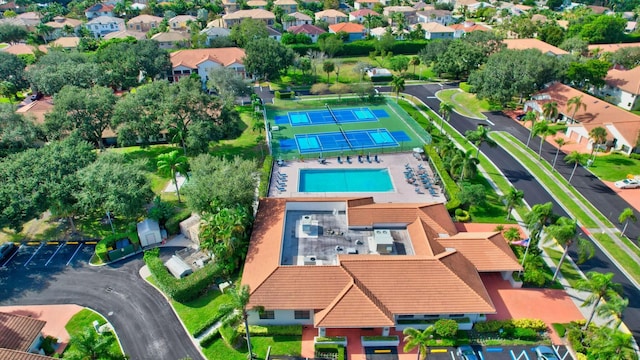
<point>626,80</point>
<point>523,44</point>
<point>18,332</point>
<point>488,252</point>
<point>363,12</point>
<point>191,58</point>
<point>347,27</point>
<point>306,29</point>
<point>7,354</point>
<point>611,47</point>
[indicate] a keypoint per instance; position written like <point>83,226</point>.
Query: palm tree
<point>530,116</point>
<point>512,234</point>
<point>565,232</point>
<point>43,30</point>
<point>613,344</point>
<point>511,199</point>
<point>417,339</point>
<point>625,216</point>
<point>368,20</point>
<point>466,164</point>
<point>575,158</point>
<point>600,287</point>
<point>543,130</point>
<point>550,110</point>
<point>479,136</point>
<point>599,136</point>
<point>89,345</point>
<point>397,85</point>
<point>575,103</point>
<point>415,61</point>
<point>560,142</point>
<point>235,306</point>
<point>171,164</point>
<point>614,307</point>
<point>328,66</point>
<point>445,112</point>
<point>536,219</point>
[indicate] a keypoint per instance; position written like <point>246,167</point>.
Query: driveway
<point>597,193</point>
<point>147,326</point>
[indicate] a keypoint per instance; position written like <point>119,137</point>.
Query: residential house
<point>539,18</point>
<point>355,31</point>
<point>361,264</point>
<point>123,34</point>
<point>20,335</point>
<point>103,25</point>
<point>331,16</point>
<point>181,22</point>
<point>24,49</point>
<point>467,27</point>
<point>257,14</point>
<point>60,25</point>
<point>622,88</point>
<point>442,17</point>
<point>623,127</point>
<point>421,5</point>
<point>28,20</point>
<point>631,26</point>
<point>408,12</point>
<point>98,10</point>
<point>365,4</point>
<point>600,10</point>
<point>609,48</point>
<point>200,61</point>
<point>434,30</point>
<point>274,34</point>
<point>312,31</point>
<point>143,23</point>
<point>288,6</point>
<point>172,39</point>
<point>65,42</point>
<point>257,4</point>
<point>361,15</point>
<point>296,19</point>
<point>230,6</point>
<point>214,33</point>
<point>523,44</point>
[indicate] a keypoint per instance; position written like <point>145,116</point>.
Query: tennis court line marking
<point>367,132</point>
<point>405,122</point>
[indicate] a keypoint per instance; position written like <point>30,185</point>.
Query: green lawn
<point>615,167</point>
<point>3,45</point>
<point>246,145</point>
<point>464,103</point>
<point>83,320</point>
<point>280,345</point>
<point>620,255</point>
<point>194,314</point>
<point>569,272</point>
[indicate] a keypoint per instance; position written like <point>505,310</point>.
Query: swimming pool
<point>345,180</point>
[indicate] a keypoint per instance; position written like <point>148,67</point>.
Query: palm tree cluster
<point>565,232</point>
<point>459,164</point>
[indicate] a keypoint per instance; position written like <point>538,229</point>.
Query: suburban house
<point>123,34</point>
<point>361,15</point>
<point>181,22</point>
<point>467,27</point>
<point>408,12</point>
<point>98,10</point>
<point>257,14</point>
<point>523,44</point>
<point>28,20</point>
<point>172,39</point>
<point>20,336</point>
<point>631,26</point>
<point>103,25</point>
<point>60,25</point>
<point>354,263</point>
<point>230,6</point>
<point>257,4</point>
<point>214,33</point>
<point>609,48</point>
<point>143,23</point>
<point>355,31</point>
<point>364,4</point>
<point>24,49</point>
<point>622,88</point>
<point>274,34</point>
<point>379,32</point>
<point>200,61</point>
<point>331,16</point>
<point>312,31</point>
<point>296,19</point>
<point>65,42</point>
<point>288,6</point>
<point>434,30</point>
<point>623,127</point>
<point>442,17</point>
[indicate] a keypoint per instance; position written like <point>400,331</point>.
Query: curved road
<point>143,319</point>
<point>591,187</point>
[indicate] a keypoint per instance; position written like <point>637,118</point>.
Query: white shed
<point>149,232</point>
<point>177,267</point>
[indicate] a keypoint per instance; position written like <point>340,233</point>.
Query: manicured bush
<point>466,87</point>
<point>560,329</point>
<point>379,79</point>
<point>105,245</point>
<point>462,215</point>
<point>210,339</point>
<point>330,349</point>
<point>272,330</point>
<point>173,224</point>
<point>380,338</point>
<point>525,334</point>
<point>450,186</point>
<point>205,326</point>
<point>492,326</point>
<point>230,335</point>
<point>185,289</point>
<point>329,339</point>
<point>534,324</point>
<point>446,328</point>
<point>265,173</point>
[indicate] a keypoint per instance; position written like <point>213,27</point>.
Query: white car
<point>546,353</point>
<point>627,184</point>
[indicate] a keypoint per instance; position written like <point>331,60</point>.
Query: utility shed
<point>149,232</point>
<point>177,267</point>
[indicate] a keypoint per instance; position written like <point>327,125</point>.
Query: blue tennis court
<point>323,117</point>
<point>336,141</point>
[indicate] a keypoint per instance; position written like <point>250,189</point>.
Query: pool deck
<point>403,192</point>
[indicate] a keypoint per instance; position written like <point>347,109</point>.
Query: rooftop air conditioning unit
<point>310,260</point>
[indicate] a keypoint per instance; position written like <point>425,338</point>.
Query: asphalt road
<point>143,319</point>
<point>593,189</point>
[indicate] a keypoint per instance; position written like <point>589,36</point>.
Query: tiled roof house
<point>200,61</point>
<point>352,263</point>
<point>623,88</point>
<point>21,334</point>
<point>523,44</point>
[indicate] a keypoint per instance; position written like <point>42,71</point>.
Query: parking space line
<point>72,243</point>
<point>33,243</point>
<point>74,254</point>
<point>91,242</point>
<point>54,254</point>
<point>32,255</point>
<point>11,257</point>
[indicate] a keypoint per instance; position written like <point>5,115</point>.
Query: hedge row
<point>205,326</point>
<point>173,223</point>
<point>102,247</point>
<point>284,95</point>
<point>496,325</point>
<point>364,47</point>
<point>181,290</point>
<point>273,330</point>
<point>265,173</point>
<point>450,186</point>
<point>210,338</point>
<point>330,349</point>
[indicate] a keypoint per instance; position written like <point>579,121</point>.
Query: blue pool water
<point>345,180</point>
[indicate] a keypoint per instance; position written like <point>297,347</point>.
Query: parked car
<point>546,353</point>
<point>37,96</point>
<point>520,117</point>
<point>627,184</point>
<point>466,352</point>
<point>6,250</point>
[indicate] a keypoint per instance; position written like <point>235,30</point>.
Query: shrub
<point>328,339</point>
<point>330,349</point>
<point>510,326</point>
<point>533,324</point>
<point>446,328</point>
<point>560,329</point>
<point>533,276</point>
<point>205,326</point>
<point>210,338</point>
<point>230,335</point>
<point>267,167</point>
<point>104,245</point>
<point>173,223</point>
<point>466,87</point>
<point>272,330</point>
<point>450,186</point>
<point>462,215</point>
<point>284,95</point>
<point>378,79</point>
<point>635,156</point>
<point>525,334</point>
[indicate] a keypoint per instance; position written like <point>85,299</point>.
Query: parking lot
<point>49,255</point>
<point>497,353</point>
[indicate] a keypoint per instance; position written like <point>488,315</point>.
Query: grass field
<point>615,167</point>
<point>84,320</point>
<point>398,120</point>
<point>464,103</point>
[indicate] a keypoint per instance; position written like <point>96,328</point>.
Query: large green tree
<point>512,198</point>
<point>238,305</point>
<point>226,234</point>
<point>565,232</point>
<point>397,85</point>
<point>57,69</point>
<point>625,217</point>
<point>599,286</point>
<point>89,345</point>
<point>228,84</point>
<point>266,58</point>
<point>12,70</point>
<point>480,136</point>
<point>543,130</point>
<point>536,220</point>
<point>588,73</point>
<point>445,113</point>
<point>16,132</point>
<point>611,344</point>
<point>12,33</point>
<point>248,30</point>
